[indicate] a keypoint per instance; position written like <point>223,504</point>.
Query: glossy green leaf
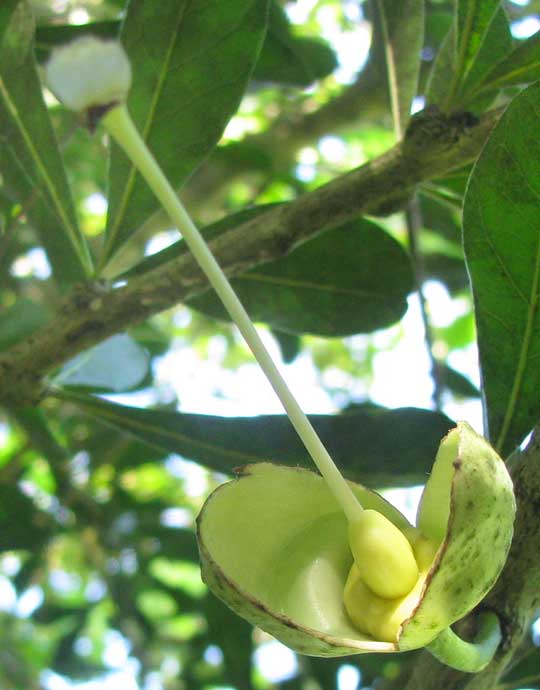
<point>402,25</point>
<point>107,445</point>
<point>521,66</point>
<point>459,384</point>
<point>437,25</point>
<point>403,441</point>
<point>289,59</point>
<point>353,279</point>
<point>30,163</point>
<point>460,333</point>
<point>117,364</point>
<point>473,19</point>
<point>441,71</point>
<point>502,248</point>
<point>495,46</point>
<point>452,83</point>
<point>191,64</point>
<point>332,285</point>
<point>6,15</point>
<point>299,61</point>
<point>290,345</point>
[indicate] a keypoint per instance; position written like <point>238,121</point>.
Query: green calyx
<point>274,546</point>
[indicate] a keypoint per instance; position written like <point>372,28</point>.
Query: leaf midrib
<point>137,424</point>
<point>524,351</point>
<point>71,231</point>
<point>307,285</point>
<point>145,130</point>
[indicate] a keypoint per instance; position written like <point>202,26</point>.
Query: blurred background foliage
<point>99,578</point>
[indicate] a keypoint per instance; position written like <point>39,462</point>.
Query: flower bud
<point>88,73</point>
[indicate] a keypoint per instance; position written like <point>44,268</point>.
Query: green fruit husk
<point>274,547</point>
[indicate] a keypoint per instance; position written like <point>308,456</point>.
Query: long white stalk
<point>120,125</point>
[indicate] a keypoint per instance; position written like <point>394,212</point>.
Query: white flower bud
<point>89,72</point>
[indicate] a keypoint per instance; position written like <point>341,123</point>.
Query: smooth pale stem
<point>470,657</point>
<point>120,125</point>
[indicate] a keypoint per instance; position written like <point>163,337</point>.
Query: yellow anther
<point>383,555</point>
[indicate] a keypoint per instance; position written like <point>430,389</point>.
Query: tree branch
<point>435,144</point>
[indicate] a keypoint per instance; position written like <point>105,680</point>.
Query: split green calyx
<point>284,561</point>
<point>325,565</point>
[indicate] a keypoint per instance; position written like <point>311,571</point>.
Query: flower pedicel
<point>326,566</point>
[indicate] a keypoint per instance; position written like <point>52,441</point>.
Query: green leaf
<point>496,45</point>
<point>473,19</point>
<point>452,84</point>
<point>332,285</point>
<point>298,63</point>
<point>403,441</point>
<point>353,279</point>
<point>457,383</point>
<point>6,12</point>
<point>107,446</point>
<point>402,24</point>
<point>460,333</point>
<point>521,66</point>
<point>441,71</point>
<point>502,249</point>
<point>191,64</point>
<point>30,161</point>
<point>117,364</point>
<point>288,59</point>
<point>290,345</point>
